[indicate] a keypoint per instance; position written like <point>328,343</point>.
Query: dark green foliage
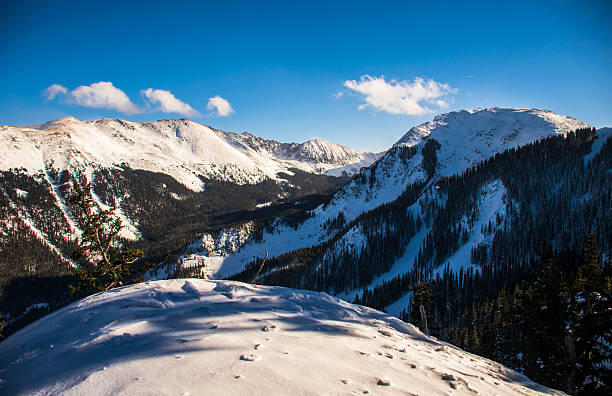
<point>421,297</point>
<point>430,157</point>
<point>105,264</point>
<point>26,262</point>
<point>590,319</point>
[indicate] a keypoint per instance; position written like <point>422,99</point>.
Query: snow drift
<point>194,336</point>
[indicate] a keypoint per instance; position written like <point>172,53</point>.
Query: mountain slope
<point>182,149</point>
<point>446,146</point>
<point>168,181</point>
<point>215,337</point>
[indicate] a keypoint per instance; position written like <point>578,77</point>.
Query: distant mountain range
<point>182,149</point>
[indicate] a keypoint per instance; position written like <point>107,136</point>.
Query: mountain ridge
<point>180,148</point>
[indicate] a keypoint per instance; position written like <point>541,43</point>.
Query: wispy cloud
<point>221,105</point>
<point>401,97</point>
<point>53,90</point>
<point>168,103</point>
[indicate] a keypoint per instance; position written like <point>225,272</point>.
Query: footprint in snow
<point>386,333</point>
<point>448,377</point>
<point>457,382</point>
<point>250,357</point>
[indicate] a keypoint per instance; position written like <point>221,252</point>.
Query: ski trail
<point>25,217</point>
<point>129,230</point>
<point>74,227</point>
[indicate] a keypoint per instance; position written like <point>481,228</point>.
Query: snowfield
<point>202,337</point>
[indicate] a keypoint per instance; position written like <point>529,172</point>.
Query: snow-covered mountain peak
<point>193,336</point>
<point>180,148</point>
<point>497,123</point>
<point>319,150</point>
<point>56,123</point>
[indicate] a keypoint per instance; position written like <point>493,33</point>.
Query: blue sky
<point>356,73</point>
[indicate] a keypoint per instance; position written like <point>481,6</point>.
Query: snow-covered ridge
<point>511,125</point>
<point>315,150</point>
<point>466,137</point>
<point>181,148</point>
<point>191,336</point>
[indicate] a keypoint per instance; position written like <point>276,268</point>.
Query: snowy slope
<point>180,148</point>
<point>470,136</point>
<point>466,138</point>
<point>197,337</point>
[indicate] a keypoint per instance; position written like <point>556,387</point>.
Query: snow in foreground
<point>193,337</point>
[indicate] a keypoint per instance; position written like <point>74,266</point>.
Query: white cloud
<point>168,103</point>
<point>103,95</point>
<point>400,97</point>
<point>53,90</point>
<point>442,104</point>
<point>221,105</point>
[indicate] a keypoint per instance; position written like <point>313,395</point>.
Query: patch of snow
<point>129,230</point>
<point>491,206</point>
<point>21,193</point>
<point>603,134</point>
<point>67,213</point>
<point>402,303</point>
<point>176,196</point>
<point>210,252</point>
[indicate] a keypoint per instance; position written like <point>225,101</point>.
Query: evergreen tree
<point>105,264</point>
<point>543,317</point>
<point>421,297</point>
<point>592,321</point>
